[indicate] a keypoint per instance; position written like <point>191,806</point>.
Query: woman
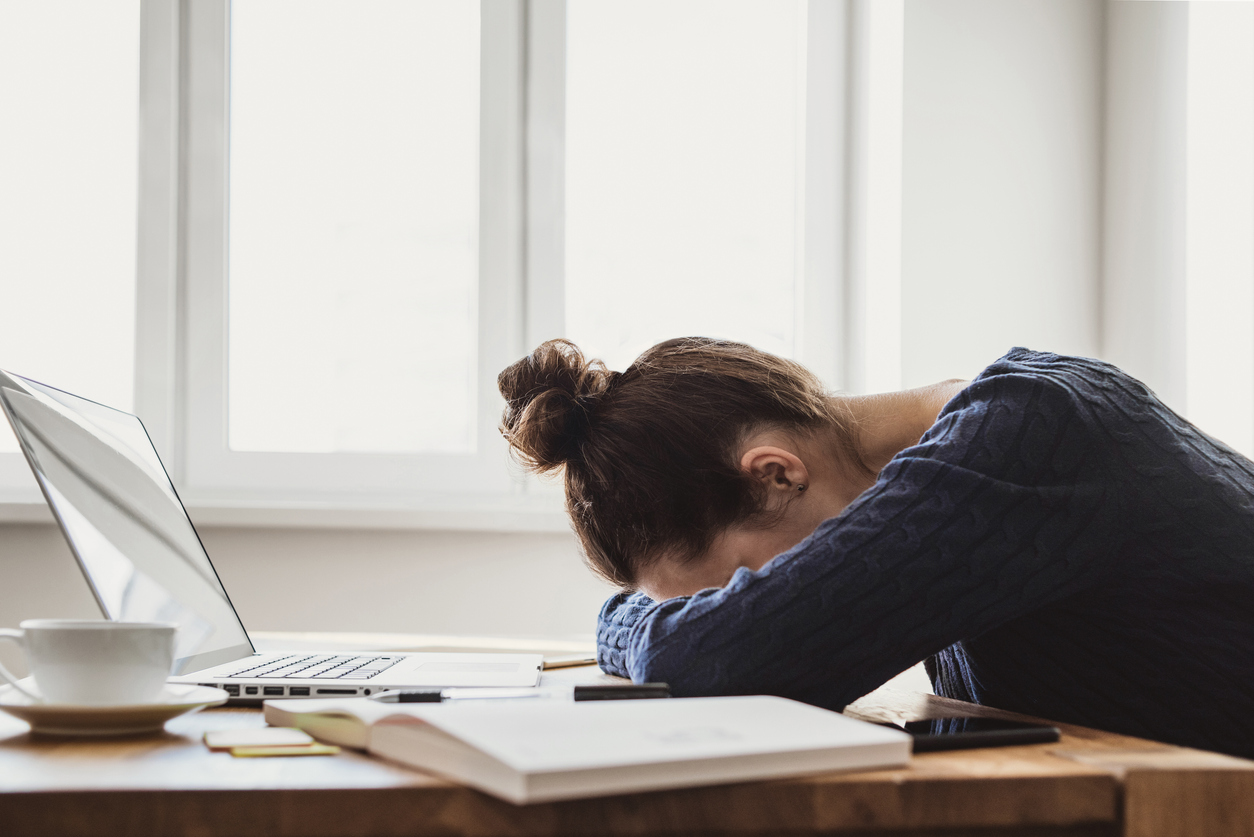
<point>1049,537</point>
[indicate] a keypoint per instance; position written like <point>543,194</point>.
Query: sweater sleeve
<point>998,511</point>
<point>618,616</point>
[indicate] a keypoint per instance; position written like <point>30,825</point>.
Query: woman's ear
<point>778,469</point>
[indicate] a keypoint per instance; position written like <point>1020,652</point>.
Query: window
<point>67,208</point>
<point>300,238</point>
<point>351,216</point>
<point>339,353</point>
<point>353,225</point>
<point>685,159</point>
<point>357,274</point>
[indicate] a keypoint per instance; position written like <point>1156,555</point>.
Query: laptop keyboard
<point>319,667</point>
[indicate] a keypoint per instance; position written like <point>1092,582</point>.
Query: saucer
<point>69,719</point>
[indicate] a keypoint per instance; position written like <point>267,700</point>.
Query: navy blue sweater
<point>1059,543</point>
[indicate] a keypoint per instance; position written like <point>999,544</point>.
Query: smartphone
<point>969,732</point>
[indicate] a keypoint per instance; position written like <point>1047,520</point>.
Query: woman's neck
<point>888,423</point>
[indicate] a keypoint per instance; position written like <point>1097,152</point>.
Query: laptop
<point>144,561</point>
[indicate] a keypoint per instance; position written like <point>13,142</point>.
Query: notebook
<point>543,750</point>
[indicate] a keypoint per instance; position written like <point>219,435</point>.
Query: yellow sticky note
<point>291,750</point>
<point>226,739</point>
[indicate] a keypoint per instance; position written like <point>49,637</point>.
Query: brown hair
<point>651,455</point>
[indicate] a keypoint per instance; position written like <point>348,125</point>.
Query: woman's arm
<point>619,615</point>
<point>997,512</point>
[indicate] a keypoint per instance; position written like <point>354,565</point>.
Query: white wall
<point>1179,208</point>
<point>1144,256</point>
<point>1001,174</point>
<point>329,580</point>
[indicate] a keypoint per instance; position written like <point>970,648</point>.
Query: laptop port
<point>272,690</point>
<point>299,691</point>
<point>337,691</point>
<point>232,689</point>
<point>250,690</point>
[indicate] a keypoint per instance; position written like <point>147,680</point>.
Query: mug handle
<point>18,637</point>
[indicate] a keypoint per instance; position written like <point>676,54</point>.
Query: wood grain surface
<point>1089,783</point>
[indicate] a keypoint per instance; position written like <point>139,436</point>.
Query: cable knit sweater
<point>1059,543</point>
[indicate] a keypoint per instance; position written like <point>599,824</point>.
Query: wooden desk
<point>1089,783</point>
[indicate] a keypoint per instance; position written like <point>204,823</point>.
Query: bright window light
<point>353,225</point>
<point>685,132</point>
<point>69,95</point>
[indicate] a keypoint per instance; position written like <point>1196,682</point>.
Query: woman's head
<point>655,460</point>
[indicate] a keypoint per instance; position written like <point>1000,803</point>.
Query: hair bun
<point>550,396</point>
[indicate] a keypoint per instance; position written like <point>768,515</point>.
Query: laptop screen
<point>123,520</point>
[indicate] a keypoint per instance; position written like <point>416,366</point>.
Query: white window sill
<point>489,514</point>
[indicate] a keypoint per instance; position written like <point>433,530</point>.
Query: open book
<point>541,750</point>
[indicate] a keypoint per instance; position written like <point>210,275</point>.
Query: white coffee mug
<point>90,662</point>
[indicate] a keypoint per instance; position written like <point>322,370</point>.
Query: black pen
<point>598,691</point>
